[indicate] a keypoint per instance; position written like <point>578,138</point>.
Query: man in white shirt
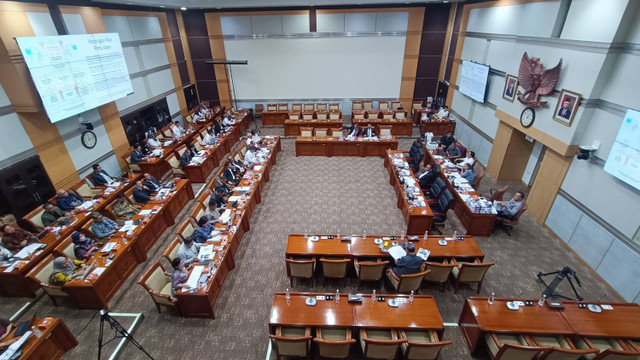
<point>250,159</point>
<point>228,120</point>
<point>177,130</point>
<point>209,137</point>
<point>443,113</point>
<point>469,160</point>
<point>253,137</point>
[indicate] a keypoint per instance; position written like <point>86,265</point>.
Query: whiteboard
<point>473,80</point>
<point>624,158</point>
<point>317,68</point>
<point>76,73</point>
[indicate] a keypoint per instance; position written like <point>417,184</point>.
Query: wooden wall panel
<point>216,41</point>
<point>516,157</point>
<point>499,149</point>
<point>550,175</point>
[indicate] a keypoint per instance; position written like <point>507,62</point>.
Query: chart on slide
<point>76,73</point>
<point>624,158</point>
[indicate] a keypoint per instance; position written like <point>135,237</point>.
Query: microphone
<point>520,294</point>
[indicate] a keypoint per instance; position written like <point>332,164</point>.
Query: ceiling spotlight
<point>162,6</point>
<point>183,8</point>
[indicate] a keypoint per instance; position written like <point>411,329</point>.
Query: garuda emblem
<point>535,80</point>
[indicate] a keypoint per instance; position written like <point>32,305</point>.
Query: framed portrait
<point>510,88</point>
<point>566,107</point>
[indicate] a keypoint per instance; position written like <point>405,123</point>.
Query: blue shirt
<point>455,152</point>
<point>408,264</point>
<point>470,176</point>
<point>104,229</point>
<point>70,202</point>
<point>203,233</point>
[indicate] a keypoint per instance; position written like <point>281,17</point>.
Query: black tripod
<point>566,272</point>
<point>123,333</point>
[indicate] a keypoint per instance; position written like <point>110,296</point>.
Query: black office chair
<point>415,156</point>
<point>440,209</point>
<point>427,182</point>
<point>436,189</point>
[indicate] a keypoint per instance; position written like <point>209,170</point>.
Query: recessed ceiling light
<point>218,8</point>
<point>183,8</point>
<point>162,6</point>
<point>129,3</point>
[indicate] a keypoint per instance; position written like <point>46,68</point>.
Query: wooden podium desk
<point>56,340</point>
<point>422,313</point>
<point>358,247</point>
<point>292,127</point>
<point>475,223</point>
<point>274,117</point>
<point>332,146</point>
<point>399,127</point>
<point>438,128</point>
<point>199,173</point>
<point>479,317</point>
<point>418,219</point>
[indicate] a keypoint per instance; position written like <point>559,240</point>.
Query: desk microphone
<point>518,296</point>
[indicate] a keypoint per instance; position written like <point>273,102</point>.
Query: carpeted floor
<point>318,195</point>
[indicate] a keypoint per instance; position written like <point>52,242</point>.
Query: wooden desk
<point>56,340</point>
<point>438,128</point>
<point>358,247</point>
<point>399,127</point>
<point>418,219</point>
<point>422,313</point>
<point>274,117</point>
<point>292,127</point>
<point>331,146</point>
<point>479,317</point>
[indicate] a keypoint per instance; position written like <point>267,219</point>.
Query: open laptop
<point>24,326</point>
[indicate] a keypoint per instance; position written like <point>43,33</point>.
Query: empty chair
<point>474,272</point>
<point>369,270</point>
<point>414,156</point>
<point>186,229</point>
<point>383,105</point>
<point>283,107</point>
<point>511,347</point>
<point>333,343</point>
<point>309,106</point>
<point>440,208</point>
<point>416,105</point>
<point>41,274</point>
<point>296,107</point>
<point>436,189</point>
<point>259,108</point>
<point>174,162</point>
<point>367,104</point>
<point>334,106</point>
<point>83,189</point>
<point>438,272</point>
<point>387,114</point>
<point>334,115</point>
<point>272,107</point>
<point>421,344</point>
<point>562,347</point>
<point>358,115</point>
<point>171,252</point>
<point>306,131</point>
<point>479,176</point>
<point>385,130</point>
<point>380,344</point>
<point>372,114</point>
<point>291,341</point>
<point>321,107</point>
<point>357,105</point>
<point>322,115</point>
<point>406,283</point>
<point>65,249</point>
<point>395,105</point>
<point>336,132</point>
<point>300,267</point>
<point>294,115</point>
<point>198,212</point>
<point>334,268</point>
<point>608,345</point>
<point>157,282</point>
<point>307,115</point>
<point>205,197</point>
<point>399,114</point>
<point>321,132</point>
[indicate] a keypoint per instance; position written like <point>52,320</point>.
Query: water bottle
<point>373,297</point>
<point>305,234</point>
<point>364,236</point>
<point>491,298</point>
<point>402,236</point>
<point>542,300</point>
<point>338,235</point>
<point>287,295</point>
<point>455,235</point>
<point>337,295</point>
<point>37,333</point>
<point>411,296</point>
<point>426,235</point>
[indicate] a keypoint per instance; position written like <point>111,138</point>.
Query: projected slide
<point>473,80</point>
<point>624,158</point>
<point>76,73</point>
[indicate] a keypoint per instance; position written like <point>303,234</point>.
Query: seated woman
<point>83,247</point>
<point>203,232</point>
<point>179,276</point>
<point>65,269</point>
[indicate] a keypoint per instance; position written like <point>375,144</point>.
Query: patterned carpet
<point>319,195</point>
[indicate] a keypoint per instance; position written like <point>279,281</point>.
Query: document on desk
<point>206,253</point>
<point>28,250</point>
<point>13,348</point>
<point>423,254</point>
<point>397,252</point>
<point>192,283</point>
<point>145,212</point>
<point>85,205</point>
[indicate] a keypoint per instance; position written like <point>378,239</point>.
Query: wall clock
<point>527,117</point>
<point>89,139</point>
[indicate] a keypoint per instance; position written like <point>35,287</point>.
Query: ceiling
<point>235,4</point>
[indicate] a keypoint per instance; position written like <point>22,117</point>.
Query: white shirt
<point>178,131</point>
<point>153,143</point>
<point>443,113</point>
<point>209,139</point>
<point>255,138</point>
<point>468,160</point>
<point>249,158</point>
<point>227,121</point>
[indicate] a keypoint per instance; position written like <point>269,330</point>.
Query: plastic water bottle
<point>305,234</point>
<point>37,333</point>
<point>402,236</point>
<point>287,295</point>
<point>491,298</point>
<point>373,297</point>
<point>542,300</point>
<point>337,295</point>
<point>426,235</point>
<point>364,236</point>
<point>455,235</point>
<point>411,296</point>
<point>338,235</point>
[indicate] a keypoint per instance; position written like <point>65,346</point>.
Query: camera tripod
<point>120,333</point>
<point>567,273</point>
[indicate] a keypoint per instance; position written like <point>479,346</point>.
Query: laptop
<point>24,326</point>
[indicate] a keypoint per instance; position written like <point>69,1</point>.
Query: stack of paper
<point>28,250</point>
<point>192,283</point>
<point>85,205</point>
<point>206,253</point>
<point>397,252</point>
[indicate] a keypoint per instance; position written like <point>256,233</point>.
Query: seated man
<point>103,228</point>
<point>67,201</point>
<point>152,142</point>
<point>100,177</point>
<point>209,137</point>
<point>442,151</point>
<point>229,174</point>
<point>123,208</point>
<point>177,130</point>
<point>141,193</point>
<point>470,159</point>
<point>218,200</point>
<point>447,139</point>
<point>250,159</point>
<point>217,128</point>
<point>369,131</point>
<point>204,229</point>
<point>220,184</point>
<point>253,137</point>
<point>52,215</point>
<point>468,174</point>
<point>354,131</point>
<point>509,209</point>
<point>443,113</point>
<point>228,121</point>
<point>408,264</point>
<point>427,177</point>
<point>188,252</point>
<point>453,151</point>
<point>137,155</point>
<point>151,182</point>
<point>15,238</point>
<point>212,212</point>
<point>186,157</point>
